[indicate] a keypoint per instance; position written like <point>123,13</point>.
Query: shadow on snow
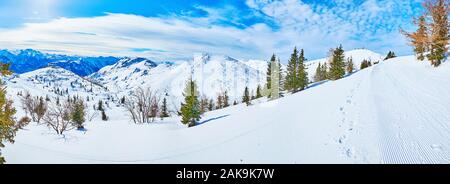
<point>211,119</point>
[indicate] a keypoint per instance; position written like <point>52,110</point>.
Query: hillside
<point>387,113</point>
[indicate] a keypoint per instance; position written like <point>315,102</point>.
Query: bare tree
<point>58,118</point>
<point>27,104</point>
<point>142,105</point>
<point>36,107</point>
<point>90,115</point>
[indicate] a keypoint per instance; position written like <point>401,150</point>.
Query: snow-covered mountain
<point>213,74</point>
<point>27,60</point>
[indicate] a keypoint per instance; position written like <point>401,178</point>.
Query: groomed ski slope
<point>395,112</point>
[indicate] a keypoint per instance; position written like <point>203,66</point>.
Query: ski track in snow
<point>409,130</point>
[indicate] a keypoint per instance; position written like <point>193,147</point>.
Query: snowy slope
<point>55,82</point>
<point>357,55</point>
<point>394,112</point>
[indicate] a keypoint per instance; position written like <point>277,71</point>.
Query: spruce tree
<point>104,116</point>
<point>190,109</point>
<point>291,80</point>
<point>226,99</point>
<point>390,55</point>
<point>258,91</point>
<point>8,125</point>
<point>203,105</point>
<point>317,76</point>
<point>100,105</point>
<point>219,104</point>
<point>246,96</point>
<point>269,71</point>
<point>164,112</point>
<point>211,105</point>
<point>302,75</point>
<point>122,100</point>
<point>78,114</point>
<point>337,65</point>
<point>364,64</point>
<point>324,71</point>
<point>439,28</point>
<point>350,66</point>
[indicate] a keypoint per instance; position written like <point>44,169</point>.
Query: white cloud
<point>315,28</point>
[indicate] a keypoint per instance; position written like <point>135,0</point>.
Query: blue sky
<point>176,29</point>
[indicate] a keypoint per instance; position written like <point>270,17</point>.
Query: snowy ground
<point>395,112</point>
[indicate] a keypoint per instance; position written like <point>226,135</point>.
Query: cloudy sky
<point>176,29</point>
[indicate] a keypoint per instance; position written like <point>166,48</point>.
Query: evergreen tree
<point>122,100</point>
<point>364,64</point>
<point>275,79</point>
<point>190,109</point>
<point>324,71</point>
<point>302,75</point>
<point>164,112</point>
<point>211,105</point>
<point>246,96</point>
<point>8,126</point>
<point>219,104</point>
<point>439,28</point>
<point>225,99</point>
<point>390,55</point>
<point>291,79</point>
<point>269,71</point>
<point>104,116</point>
<point>337,65</point>
<point>258,91</point>
<point>203,105</point>
<point>78,114</point>
<point>349,66</point>
<point>280,78</point>
<point>100,105</point>
<point>235,102</point>
<point>317,76</point>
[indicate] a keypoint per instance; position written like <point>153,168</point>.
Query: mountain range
<point>121,76</point>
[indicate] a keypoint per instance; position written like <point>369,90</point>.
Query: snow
<point>394,112</point>
<point>213,74</point>
<point>357,55</point>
